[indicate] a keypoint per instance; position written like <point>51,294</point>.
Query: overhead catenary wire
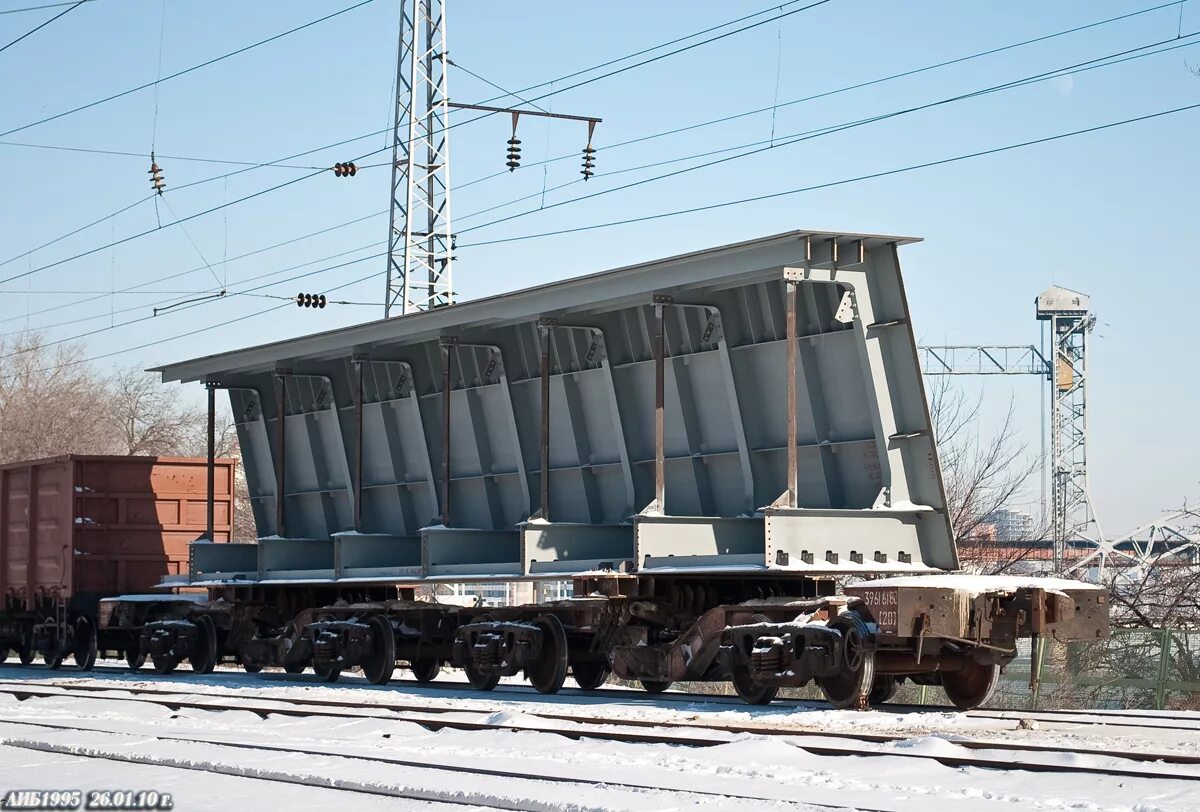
<point>763,146</point>
<point>188,305</point>
<point>643,63</point>
<point>184,71</point>
<point>1079,67</point>
<point>679,212</point>
<point>180,274</point>
<point>189,217</point>
<point>37,28</point>
<point>204,329</point>
<point>43,6</point>
<point>131,154</point>
<point>576,73</point>
<point>846,88</point>
<point>316,170</point>
<point>175,300</point>
<point>841,182</point>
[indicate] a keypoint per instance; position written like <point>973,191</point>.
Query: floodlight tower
<point>420,245</point>
<point>1067,313</point>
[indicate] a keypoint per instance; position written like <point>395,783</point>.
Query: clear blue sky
<point>1111,214</point>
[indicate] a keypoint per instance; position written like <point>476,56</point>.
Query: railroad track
<point>1172,765</point>
<point>390,761</point>
<point>1115,717</point>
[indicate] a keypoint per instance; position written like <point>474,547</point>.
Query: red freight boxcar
<point>75,529</point>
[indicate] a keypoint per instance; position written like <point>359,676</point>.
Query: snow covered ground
<point>212,758</point>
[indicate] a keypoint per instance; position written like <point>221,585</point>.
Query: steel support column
<point>446,344</point>
<point>544,418</point>
<point>280,452</point>
<point>209,507</point>
<point>357,387</point>
<point>792,294</point>
<point>660,426</point>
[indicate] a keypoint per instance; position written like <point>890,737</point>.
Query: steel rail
<point>1101,717</point>
<point>304,781</point>
<point>430,721</point>
<point>438,767</point>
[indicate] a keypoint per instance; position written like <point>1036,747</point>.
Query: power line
<point>644,62</point>
<point>45,6</point>
<point>167,157</point>
<point>677,40</point>
<point>207,211</point>
<point>188,305</point>
<point>175,300</point>
<point>766,146</point>
<point>801,136</point>
<point>177,189</point>
<point>183,72</point>
<point>179,274</point>
<point>695,209</point>
<point>842,182</point>
<point>1078,67</point>
<point>37,28</point>
<point>848,88</point>
<point>206,328</point>
<point>387,129</point>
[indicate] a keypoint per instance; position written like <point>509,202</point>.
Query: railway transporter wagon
<point>703,444</point>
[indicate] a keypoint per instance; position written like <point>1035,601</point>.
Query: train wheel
<point>204,653</point>
<point>294,668</point>
<point>426,669</point>
<point>973,685</point>
<point>164,664</point>
<point>550,672</point>
<point>479,680</point>
<point>883,689</point>
<point>655,686</point>
<point>326,672</point>
<point>590,676</point>
<point>851,687</point>
<point>85,644</point>
<point>3,653</point>
<point>135,658</point>
<point>379,666</point>
<point>251,668</point>
<point>53,661</point>
<point>25,653</point>
<point>751,690</point>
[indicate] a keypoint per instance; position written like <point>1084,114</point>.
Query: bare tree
<point>50,402</point>
<point>982,476</point>
<point>148,418</point>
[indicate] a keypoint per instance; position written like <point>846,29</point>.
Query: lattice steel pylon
<point>1073,516</point>
<point>420,242</point>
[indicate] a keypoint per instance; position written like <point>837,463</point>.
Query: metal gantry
<point>420,242</point>
<point>1072,517</point>
<point>1072,514</point>
<point>992,359</point>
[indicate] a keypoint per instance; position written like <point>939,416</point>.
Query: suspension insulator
<point>514,154</point>
<point>345,170</point>
<point>156,177</point>
<point>311,300</point>
<point>589,162</point>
